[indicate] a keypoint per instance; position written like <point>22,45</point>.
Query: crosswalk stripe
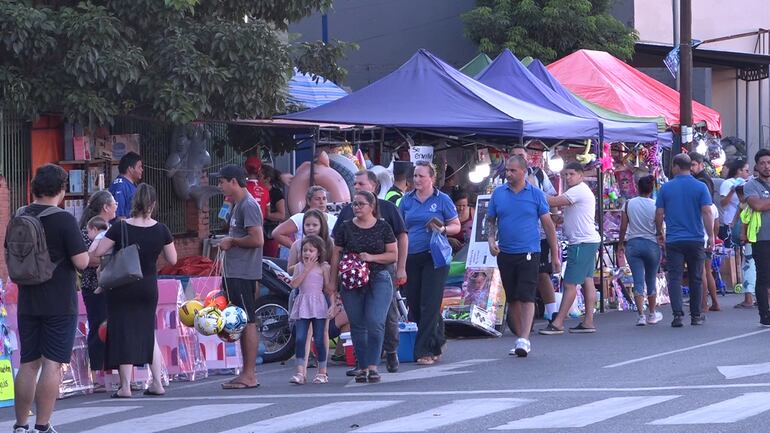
<point>587,414</point>
<point>455,412</point>
<point>317,415</point>
<point>176,418</point>
<point>66,416</point>
<point>732,410</point>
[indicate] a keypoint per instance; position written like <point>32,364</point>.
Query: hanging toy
<point>586,158</point>
<point>606,160</point>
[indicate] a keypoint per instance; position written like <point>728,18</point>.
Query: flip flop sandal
<point>581,329</point>
<point>361,376</point>
<point>426,360</point>
<point>233,384</point>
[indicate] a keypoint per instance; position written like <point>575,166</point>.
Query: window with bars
<point>154,142</point>
<point>15,158</point>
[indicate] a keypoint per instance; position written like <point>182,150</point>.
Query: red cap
<point>253,164</point>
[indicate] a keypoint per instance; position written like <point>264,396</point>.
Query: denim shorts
<point>581,262</point>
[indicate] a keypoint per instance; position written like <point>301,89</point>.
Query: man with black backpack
<point>44,249</point>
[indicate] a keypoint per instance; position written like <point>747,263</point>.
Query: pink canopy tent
<point>604,80</point>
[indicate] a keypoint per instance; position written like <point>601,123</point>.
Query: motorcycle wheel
<point>274,329</point>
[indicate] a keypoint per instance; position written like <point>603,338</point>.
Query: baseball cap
<point>253,164</point>
<point>232,171</point>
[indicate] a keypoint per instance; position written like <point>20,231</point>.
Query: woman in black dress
<point>131,308</point>
<point>103,205</point>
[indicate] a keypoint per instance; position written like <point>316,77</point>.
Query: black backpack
<point>26,249</point>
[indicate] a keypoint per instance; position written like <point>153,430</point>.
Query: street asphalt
<point>710,378</point>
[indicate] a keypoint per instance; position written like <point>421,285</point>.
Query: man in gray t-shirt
<point>757,193</point>
<point>243,265</point>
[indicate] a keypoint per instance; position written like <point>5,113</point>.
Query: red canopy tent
<point>604,80</point>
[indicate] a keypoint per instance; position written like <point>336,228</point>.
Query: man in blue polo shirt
<point>124,186</point>
<point>521,208</point>
<point>685,205</point>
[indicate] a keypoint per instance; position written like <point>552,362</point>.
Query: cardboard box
<point>119,145</point>
<point>728,271</point>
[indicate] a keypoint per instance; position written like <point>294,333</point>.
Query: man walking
<point>401,171</point>
<point>579,227</point>
<point>757,193</point>
<point>123,187</point>
<point>47,315</point>
<point>242,265</point>
<point>685,205</point>
<point>537,177</point>
<point>519,204</point>
<point>367,181</point>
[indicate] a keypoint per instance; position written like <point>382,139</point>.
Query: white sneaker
<point>641,320</point>
<point>654,318</point>
<point>521,349</point>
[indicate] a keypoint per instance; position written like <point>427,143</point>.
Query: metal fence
<point>15,158</point>
<point>155,140</point>
<point>227,155</point>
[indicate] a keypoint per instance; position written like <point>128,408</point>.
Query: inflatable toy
<point>325,176</point>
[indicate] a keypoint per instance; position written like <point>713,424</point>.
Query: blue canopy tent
<point>426,93</point>
<point>509,76</point>
<point>539,71</point>
<point>307,93</point>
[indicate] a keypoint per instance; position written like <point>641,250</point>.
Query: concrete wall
<point>390,32</point>
<point>653,20</point>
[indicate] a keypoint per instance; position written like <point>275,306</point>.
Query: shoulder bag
<point>123,267</point>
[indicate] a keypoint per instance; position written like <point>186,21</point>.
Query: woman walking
<point>101,204</point>
<point>372,240</point>
<point>131,308</point>
<point>290,230</point>
<point>425,210</point>
<point>637,227</point>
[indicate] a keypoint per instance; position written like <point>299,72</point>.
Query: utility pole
<point>685,74</point>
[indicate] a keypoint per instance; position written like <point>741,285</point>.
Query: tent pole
<point>737,105</point>
<point>746,113</point>
<point>759,102</point>
<point>316,132</point>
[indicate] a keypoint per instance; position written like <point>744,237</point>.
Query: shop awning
<point>426,93</point>
<point>604,80</point>
<point>307,93</point>
<point>509,76</point>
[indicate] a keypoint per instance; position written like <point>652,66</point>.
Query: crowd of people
<point>346,269</point>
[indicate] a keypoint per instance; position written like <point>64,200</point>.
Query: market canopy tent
<point>426,93</point>
<point>509,76</point>
<point>604,80</point>
<point>476,65</point>
<point>307,93</point>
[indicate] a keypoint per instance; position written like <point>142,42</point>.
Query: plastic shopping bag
<point>440,250</point>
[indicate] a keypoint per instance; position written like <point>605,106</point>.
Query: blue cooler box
<point>407,336</point>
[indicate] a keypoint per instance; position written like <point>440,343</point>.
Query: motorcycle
<point>276,333</point>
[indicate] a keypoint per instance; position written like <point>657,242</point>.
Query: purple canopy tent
<point>427,93</point>
<point>509,76</point>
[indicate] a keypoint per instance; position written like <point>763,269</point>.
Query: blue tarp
<point>538,69</point>
<point>509,76</point>
<point>305,92</point>
<point>427,93</point>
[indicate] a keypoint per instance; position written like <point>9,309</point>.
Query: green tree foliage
<point>548,29</point>
<point>173,60</point>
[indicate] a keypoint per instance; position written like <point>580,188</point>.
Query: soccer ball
<point>235,319</point>
<point>187,312</point>
<point>208,321</point>
<point>216,298</point>
<point>229,337</point>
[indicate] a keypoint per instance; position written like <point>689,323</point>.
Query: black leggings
<point>424,293</point>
